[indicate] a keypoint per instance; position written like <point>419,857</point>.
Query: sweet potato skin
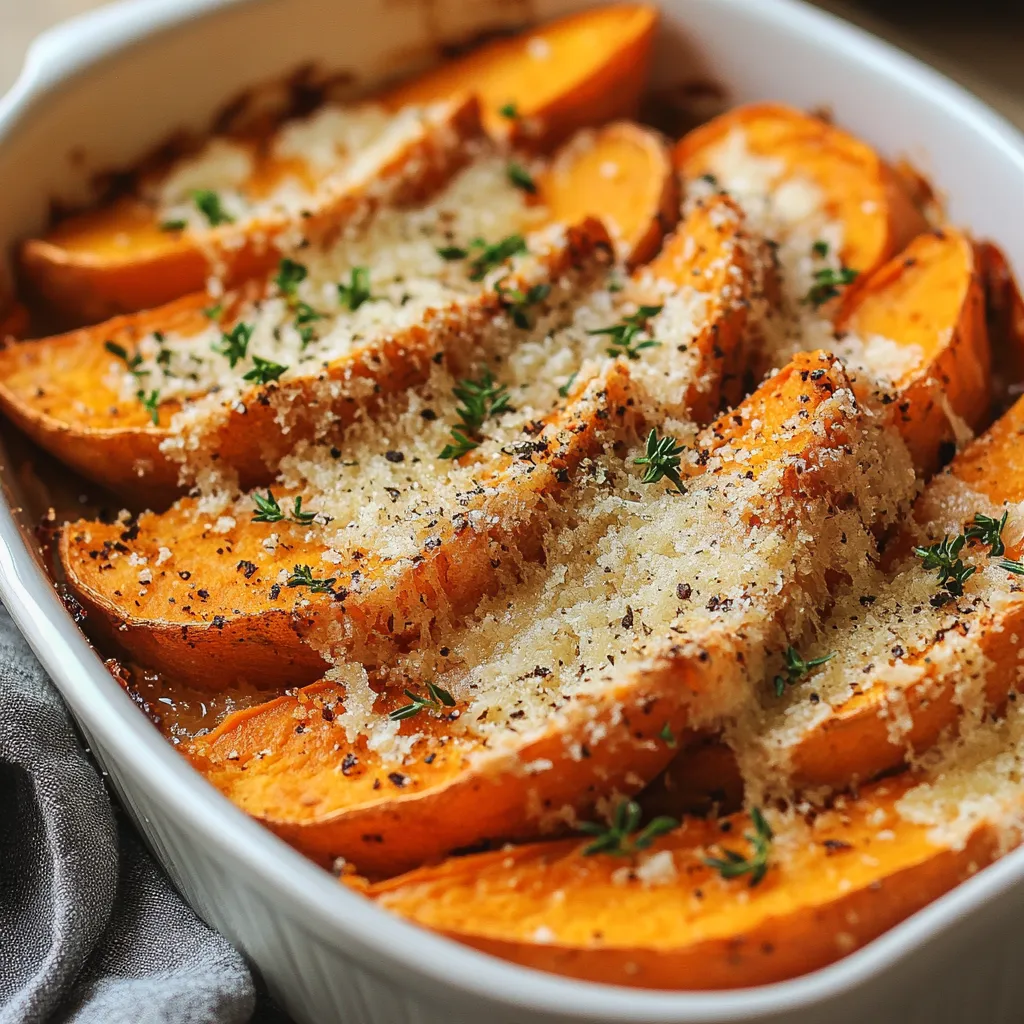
<point>930,296</point>
<point>860,190</point>
<point>583,69</point>
<point>837,887</point>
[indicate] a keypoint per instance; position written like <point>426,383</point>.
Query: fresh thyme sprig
<point>305,317</point>
<point>234,344</point>
<point>268,510</point>
<point>459,445</point>
<point>480,399</point>
<point>519,176</point>
<point>623,333</point>
<point>668,735</point>
<point>452,252</point>
<point>624,837</point>
<point>945,557</point>
<point>517,302</point>
<point>437,699</point>
<point>989,531</point>
<point>264,370</point>
<point>567,386</point>
<point>132,363</point>
<point>357,291</point>
<point>209,205</point>
<point>173,225</point>
<point>509,111</point>
<point>493,255</point>
<point>662,459</point>
<point>734,865</point>
<point>290,274</point>
<point>302,576</point>
<point>797,669</point>
<point>820,248</point>
<point>827,283</point>
<point>150,402</point>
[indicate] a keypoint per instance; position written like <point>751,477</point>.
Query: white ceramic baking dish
<point>102,89</point>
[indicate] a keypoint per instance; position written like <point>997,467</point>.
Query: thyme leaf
<point>945,558</point>
<point>989,531</point>
<point>209,205</point>
<point>516,302</point>
<point>662,459</point>
<point>437,699</point>
<point>797,669</point>
<point>264,370</point>
<point>357,291</point>
<point>493,255</point>
<point>481,399</point>
<point>519,176</point>
<point>827,283</point>
<point>624,837</point>
<point>234,344</point>
<point>734,865</point>
<point>623,334</point>
<point>302,576</point>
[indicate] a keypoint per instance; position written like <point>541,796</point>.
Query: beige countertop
<point>985,52</point>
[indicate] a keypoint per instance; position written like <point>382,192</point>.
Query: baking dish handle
<point>61,51</point>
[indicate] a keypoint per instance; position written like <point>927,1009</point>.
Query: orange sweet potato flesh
<point>837,886</point>
<point>861,192</point>
<point>453,790</point>
<point>170,629</point>
<point>631,187</point>
<point>117,259</point>
<point>930,297</point>
<point>854,741</point>
<point>580,70</point>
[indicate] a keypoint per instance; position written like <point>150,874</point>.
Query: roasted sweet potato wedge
<point>137,254</point>
<point>798,176</point>
<point>924,655</point>
<point>540,86</point>
<point>186,592</point>
<point>617,662</point>
<point>230,209</point>
<point>71,394</point>
<point>918,324</point>
<point>607,159</point>
<point>657,915</point>
<point>705,330</point>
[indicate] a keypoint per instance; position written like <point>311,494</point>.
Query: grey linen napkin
<point>91,931</point>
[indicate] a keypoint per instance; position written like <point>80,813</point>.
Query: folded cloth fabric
<point>91,930</point>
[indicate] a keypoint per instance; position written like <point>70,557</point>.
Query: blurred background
<point>980,42</point>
